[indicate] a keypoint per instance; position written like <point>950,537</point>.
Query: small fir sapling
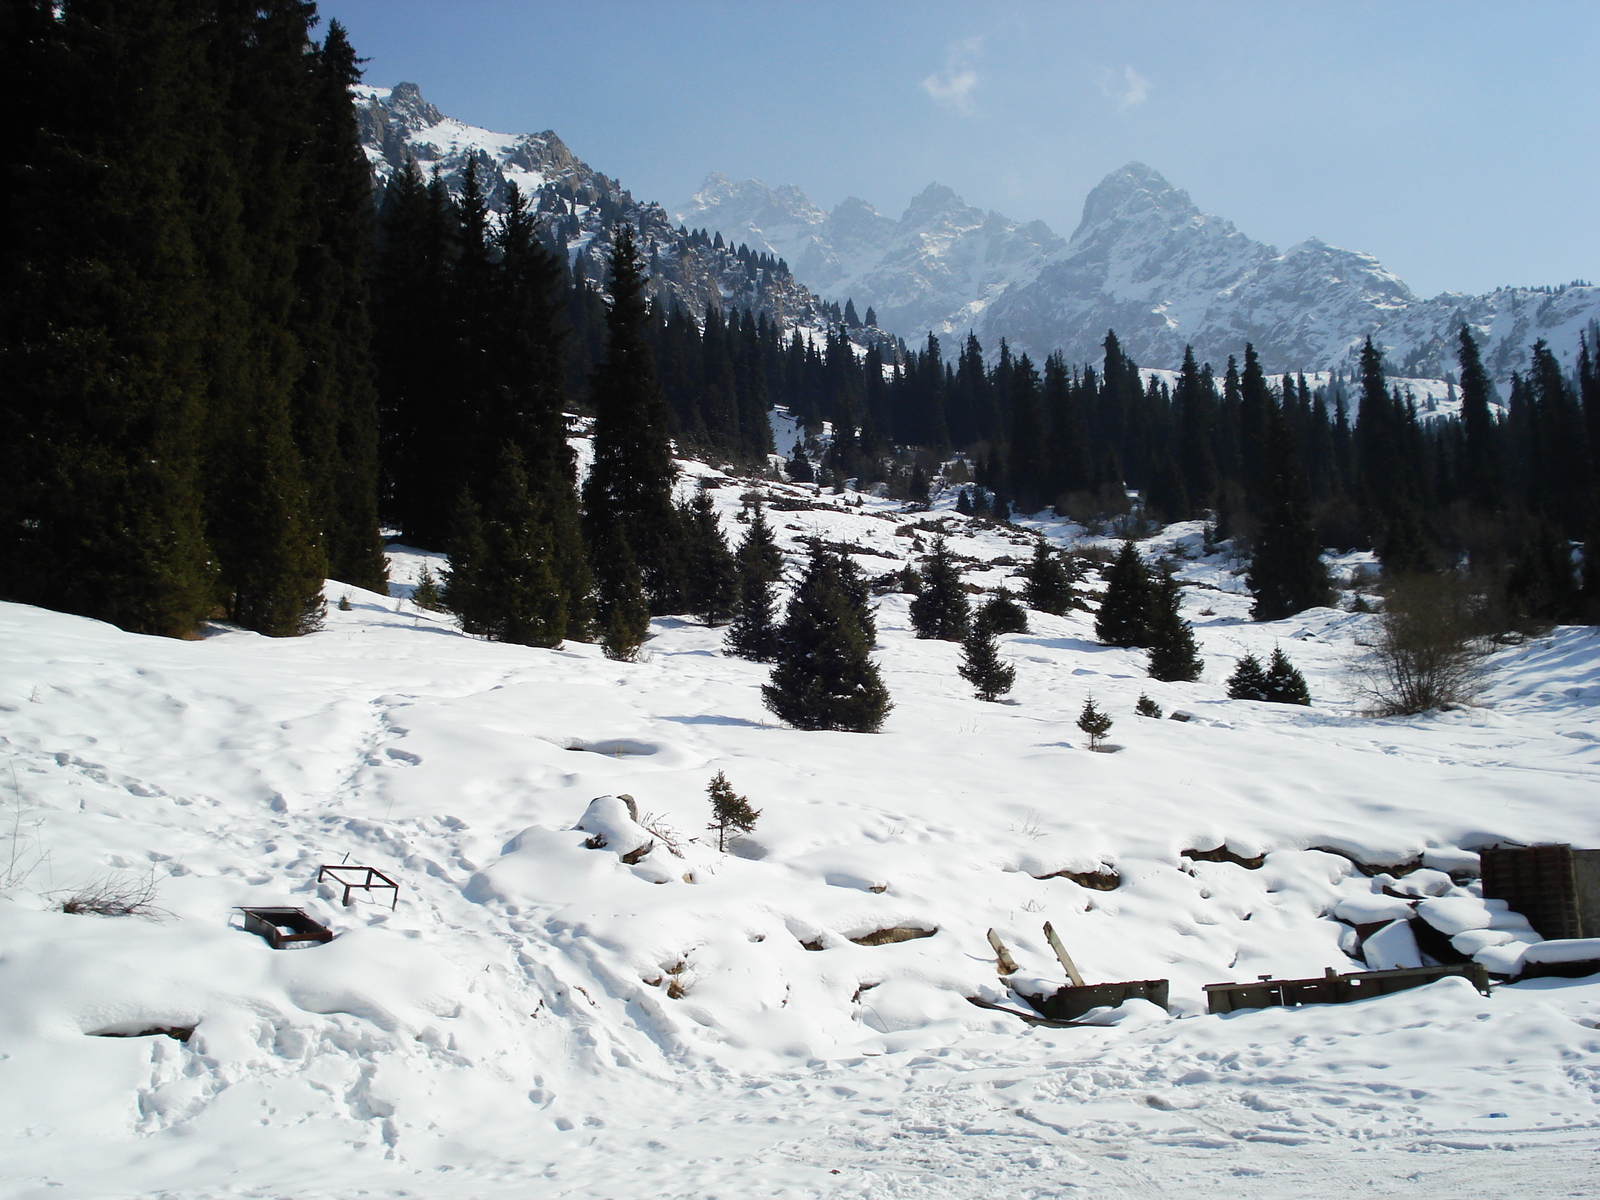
<point>1249,680</point>
<point>1094,722</point>
<point>728,811</point>
<point>1147,707</point>
<point>427,594</point>
<point>981,665</point>
<point>1285,684</point>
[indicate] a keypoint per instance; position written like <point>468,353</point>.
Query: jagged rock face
<point>1144,261</point>
<point>578,207</point>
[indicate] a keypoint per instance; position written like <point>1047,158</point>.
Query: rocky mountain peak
<point>934,201</point>
<point>1134,191</point>
<point>409,110</point>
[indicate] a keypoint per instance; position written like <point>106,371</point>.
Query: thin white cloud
<point>1124,85</point>
<point>953,86</point>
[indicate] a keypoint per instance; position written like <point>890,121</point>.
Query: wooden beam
<point>1003,960</point>
<point>1061,952</point>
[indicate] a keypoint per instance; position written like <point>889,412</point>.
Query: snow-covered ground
<point>538,1018</point>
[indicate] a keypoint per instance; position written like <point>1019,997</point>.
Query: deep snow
<point>541,1018</point>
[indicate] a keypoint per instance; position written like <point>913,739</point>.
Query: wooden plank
<point>1002,957</point>
<point>1061,953</point>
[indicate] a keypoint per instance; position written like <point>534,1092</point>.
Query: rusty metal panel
<point>1334,988</point>
<point>1586,884</point>
<point>282,927</point>
<point>1070,1002</point>
<point>1538,882</point>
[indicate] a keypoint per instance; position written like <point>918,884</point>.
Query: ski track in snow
<point>508,1030</point>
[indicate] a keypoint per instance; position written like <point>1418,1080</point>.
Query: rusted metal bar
<point>1334,988</point>
<point>1070,1002</point>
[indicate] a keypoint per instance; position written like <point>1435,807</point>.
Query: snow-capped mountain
<point>1144,261</point>
<point>578,206</point>
<point>936,268</point>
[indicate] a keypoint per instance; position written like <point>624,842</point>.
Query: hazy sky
<point>1458,142</point>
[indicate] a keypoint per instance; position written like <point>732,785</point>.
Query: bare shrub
<point>115,896</point>
<point>1430,648</point>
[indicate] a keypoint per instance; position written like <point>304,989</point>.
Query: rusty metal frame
<point>282,927</point>
<point>371,879</point>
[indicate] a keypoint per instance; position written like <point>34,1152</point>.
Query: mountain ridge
<point>1146,261</point>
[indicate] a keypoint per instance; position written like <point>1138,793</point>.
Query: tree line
<point>227,365</point>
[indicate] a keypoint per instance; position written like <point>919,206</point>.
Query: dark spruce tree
<point>623,610</point>
<point>464,592</point>
<point>1048,586</point>
<point>824,677</point>
<point>940,610</point>
<point>981,665</point>
<point>628,495</point>
<point>1285,684</point>
<point>1002,614</point>
<point>336,410</point>
<point>758,551</point>
<point>1249,680</point>
<point>1480,439</point>
<point>711,577</point>
<point>102,320</point>
<point>1094,722</point>
<point>1287,574</point>
<point>753,634</point>
<point>1174,656</point>
<point>1124,616</point>
<point>526,397</point>
<point>518,597</point>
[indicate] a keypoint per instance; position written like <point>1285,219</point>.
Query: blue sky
<point>1458,142</point>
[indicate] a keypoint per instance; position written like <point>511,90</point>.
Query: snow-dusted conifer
<point>1002,614</point>
<point>981,665</point>
<point>1249,680</point>
<point>1124,617</point>
<point>1173,653</point>
<point>824,677</point>
<point>1285,684</point>
<point>712,582</point>
<point>940,610</point>
<point>1049,582</point>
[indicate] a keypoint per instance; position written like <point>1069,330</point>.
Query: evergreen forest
<point>227,364</point>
